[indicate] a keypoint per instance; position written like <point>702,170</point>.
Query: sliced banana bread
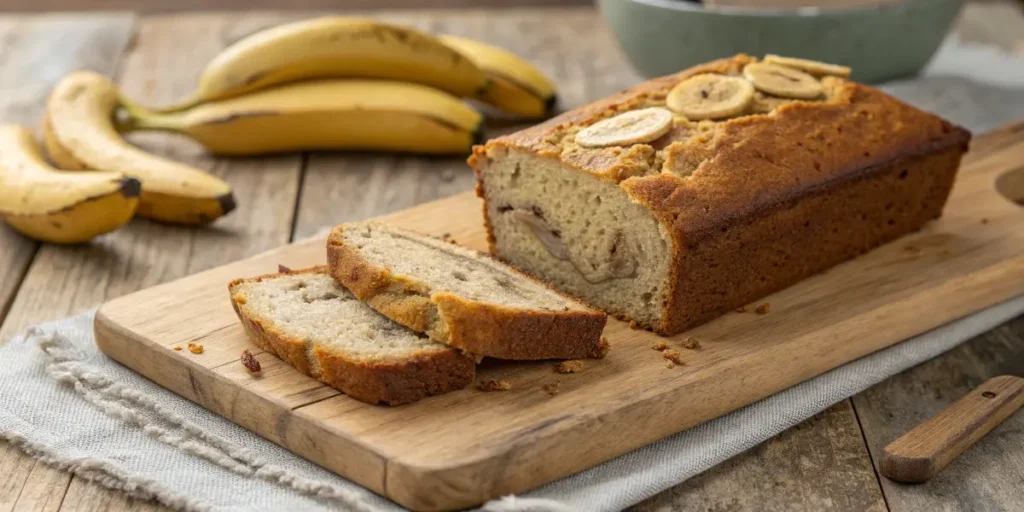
<point>314,324</point>
<point>693,194</point>
<point>460,297</point>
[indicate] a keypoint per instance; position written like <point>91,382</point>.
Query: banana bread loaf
<point>693,194</point>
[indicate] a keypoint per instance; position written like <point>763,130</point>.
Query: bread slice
<point>314,324</point>
<point>460,297</point>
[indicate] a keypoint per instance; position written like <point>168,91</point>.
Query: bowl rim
<point>808,11</point>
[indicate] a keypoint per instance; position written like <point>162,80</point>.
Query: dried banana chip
<point>811,66</point>
<point>633,127</point>
<point>782,81</point>
<point>710,97</point>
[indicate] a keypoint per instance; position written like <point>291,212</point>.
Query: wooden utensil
<point>924,451</point>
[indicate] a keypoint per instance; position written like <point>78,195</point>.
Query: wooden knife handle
<point>924,451</point>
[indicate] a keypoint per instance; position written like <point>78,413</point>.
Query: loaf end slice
<point>314,324</point>
<point>460,297</point>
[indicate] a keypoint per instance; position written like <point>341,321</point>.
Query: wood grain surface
<point>985,478</point>
<point>967,260</point>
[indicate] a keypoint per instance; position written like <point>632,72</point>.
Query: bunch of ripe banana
<point>326,83</point>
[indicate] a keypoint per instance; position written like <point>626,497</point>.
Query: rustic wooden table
<point>826,463</point>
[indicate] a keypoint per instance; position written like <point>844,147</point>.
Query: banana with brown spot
<point>56,206</point>
<point>334,47</point>
<point>331,114</point>
<point>80,134</point>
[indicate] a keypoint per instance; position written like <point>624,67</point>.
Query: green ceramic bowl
<point>880,42</point>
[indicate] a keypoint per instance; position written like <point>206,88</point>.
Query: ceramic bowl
<point>880,42</point>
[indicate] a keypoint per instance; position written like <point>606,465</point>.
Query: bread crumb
<point>912,249</point>
<point>669,364</point>
<point>249,362</point>
<point>281,269</point>
<point>551,389</point>
<point>661,345</point>
<point>741,309</point>
<point>494,385</point>
<point>691,343</point>
<point>195,348</point>
<point>602,349</point>
<point>984,220</point>
<point>763,309</point>
<point>944,252</point>
<point>572,366</point>
<point>447,237</point>
<point>633,325</point>
<point>177,347</point>
<point>672,355</point>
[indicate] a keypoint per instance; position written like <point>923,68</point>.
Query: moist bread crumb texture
<point>715,213</point>
<point>460,297</point>
<point>311,322</point>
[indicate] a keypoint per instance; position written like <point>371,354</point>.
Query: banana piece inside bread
<point>311,322</point>
<point>460,297</point>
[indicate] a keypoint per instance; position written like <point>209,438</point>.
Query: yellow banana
<point>80,134</point>
<point>57,206</point>
<point>335,46</point>
<point>326,114</point>
<point>517,87</point>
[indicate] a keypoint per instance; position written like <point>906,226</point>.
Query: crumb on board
<point>177,347</point>
<point>195,348</point>
<point>602,349</point>
<point>633,325</point>
<point>551,388</point>
<point>281,269</point>
<point>571,366</point>
<point>494,385</point>
<point>673,356</point>
<point>669,364</point>
<point>912,249</point>
<point>691,343</point>
<point>447,237</point>
<point>984,220</point>
<point>741,309</point>
<point>659,346</point>
<point>249,361</point>
<point>763,309</point>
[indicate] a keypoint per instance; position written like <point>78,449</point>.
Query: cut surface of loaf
<point>311,322</point>
<point>710,215</point>
<point>460,297</point>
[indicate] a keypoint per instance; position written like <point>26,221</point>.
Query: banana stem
<point>131,117</point>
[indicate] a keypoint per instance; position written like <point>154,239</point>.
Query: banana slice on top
<point>811,66</point>
<point>710,97</point>
<point>782,81</point>
<point>635,127</point>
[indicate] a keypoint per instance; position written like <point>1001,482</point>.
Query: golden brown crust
<point>479,328</point>
<point>704,180</point>
<point>375,382</point>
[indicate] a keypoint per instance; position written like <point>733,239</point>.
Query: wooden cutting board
<point>463,448</point>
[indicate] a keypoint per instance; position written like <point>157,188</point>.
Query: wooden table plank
<point>821,464</point>
<point>988,476</point>
<point>85,41</point>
